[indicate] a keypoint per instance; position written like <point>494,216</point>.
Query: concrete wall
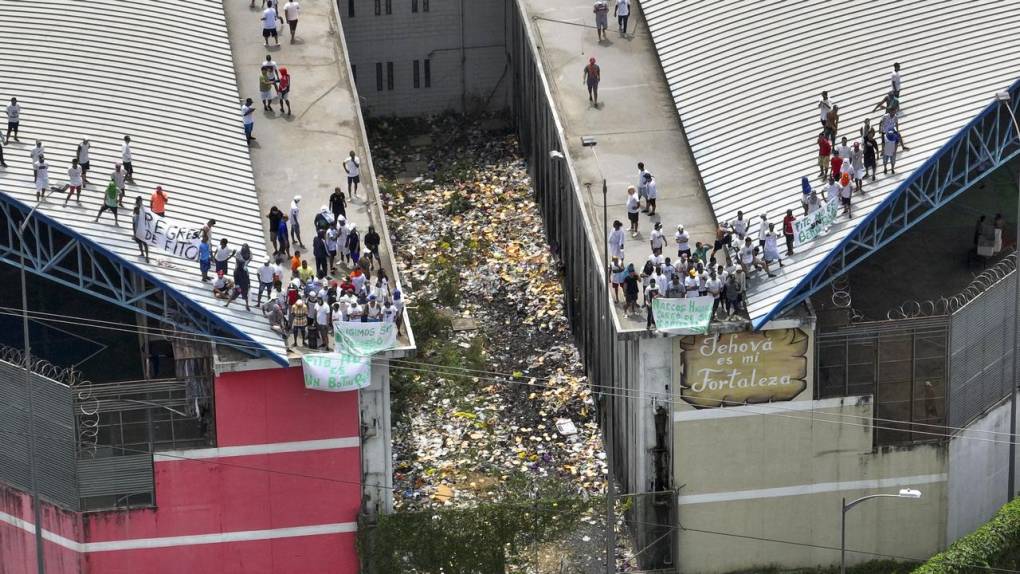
<point>978,472</point>
<point>778,471</point>
<point>17,536</point>
<point>464,41</point>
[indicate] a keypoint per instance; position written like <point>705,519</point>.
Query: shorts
<point>823,162</point>
<point>12,126</point>
<point>633,217</point>
<point>844,200</point>
<point>292,24</point>
<point>73,188</point>
<point>602,19</point>
<point>222,265</point>
<point>272,236</point>
<point>85,166</point>
<point>266,95</point>
<point>267,32</point>
<point>284,95</point>
<point>353,179</point>
<point>204,266</point>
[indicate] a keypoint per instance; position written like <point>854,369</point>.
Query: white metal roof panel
<point>162,73</point>
<point>746,79</point>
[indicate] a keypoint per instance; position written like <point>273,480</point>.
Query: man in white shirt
<point>269,22</point>
<point>844,151</point>
<point>894,79</point>
<point>125,158</point>
<point>291,10</point>
<point>641,189</point>
<point>322,322</point>
<point>622,12</point>
<point>739,226</point>
<point>13,120</point>
<point>824,107</point>
<point>763,230</point>
<point>265,275</point>
<point>352,166</point>
<point>651,193</point>
<point>42,177</point>
<point>633,208</point>
<point>295,226</point>
<point>616,241</point>
<point>36,154</point>
<point>657,239</point>
<point>248,116</point>
<point>683,239</point>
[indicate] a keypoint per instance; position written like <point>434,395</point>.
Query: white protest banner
<point>336,372</point>
<point>162,233</point>
<point>363,339</point>
<point>815,223</point>
<point>689,316</point>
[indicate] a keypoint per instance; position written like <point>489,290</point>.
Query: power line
<point>502,378</point>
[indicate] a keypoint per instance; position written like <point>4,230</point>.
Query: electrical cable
<point>630,395</point>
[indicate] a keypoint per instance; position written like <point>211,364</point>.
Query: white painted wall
<point>403,36</point>
<point>978,472</point>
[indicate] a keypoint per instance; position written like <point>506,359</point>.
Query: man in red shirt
<point>835,164</point>
<point>824,149</point>
<point>788,230</point>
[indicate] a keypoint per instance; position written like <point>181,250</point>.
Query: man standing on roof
<point>338,204</point>
<point>295,227</point>
<point>352,167</point>
<point>824,151</point>
<point>832,123</point>
<point>119,178</point>
<point>42,177</point>
<point>125,157</point>
<point>37,152</point>
<point>320,254</point>
<point>824,107</point>
<point>13,121</point>
<point>890,123</point>
<point>223,255</point>
<point>110,201</point>
<point>267,277</point>
<point>84,161</point>
<point>894,79</point>
<point>622,12</point>
<point>270,21</point>
<point>74,182</point>
<point>158,201</point>
<point>242,284</point>
<point>633,209</point>
<point>601,10</point>
<point>248,116</point>
<point>291,11</point>
<point>592,77</point>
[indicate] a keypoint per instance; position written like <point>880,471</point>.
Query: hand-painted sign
<point>815,223</point>
<point>740,368</point>
<point>689,316</point>
<point>162,233</point>
<point>363,339</point>
<point>335,372</point>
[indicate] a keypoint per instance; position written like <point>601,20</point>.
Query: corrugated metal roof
<point>746,79</point>
<point>162,73</point>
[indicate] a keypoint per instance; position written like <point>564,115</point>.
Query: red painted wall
<point>234,494</point>
<point>17,546</point>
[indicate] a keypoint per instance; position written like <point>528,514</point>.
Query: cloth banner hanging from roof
<point>689,316</point>
<point>364,339</point>
<point>166,235</point>
<point>336,372</point>
<point>815,223</point>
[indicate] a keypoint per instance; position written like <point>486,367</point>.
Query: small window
<point>389,75</point>
<point>417,73</point>
<point>389,6</point>
<point>414,5</point>
<point>428,73</point>
<point>378,76</point>
<point>350,8</point>
<point>424,5</point>
<point>378,7</point>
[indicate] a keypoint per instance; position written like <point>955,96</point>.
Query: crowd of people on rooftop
<point>742,247</point>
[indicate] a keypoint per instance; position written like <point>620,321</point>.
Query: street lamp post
<point>904,493</point>
<point>30,390</point>
<point>1004,98</point>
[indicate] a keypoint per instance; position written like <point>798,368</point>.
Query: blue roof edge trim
<point>893,196</point>
<point>178,296</point>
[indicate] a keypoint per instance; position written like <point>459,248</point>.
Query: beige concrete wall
<point>779,471</point>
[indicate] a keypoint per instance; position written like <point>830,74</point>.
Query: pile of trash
<point>469,238</point>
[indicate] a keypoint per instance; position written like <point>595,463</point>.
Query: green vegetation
<point>996,545</point>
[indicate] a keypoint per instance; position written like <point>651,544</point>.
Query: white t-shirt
<point>739,227</point>
<point>714,286</point>
<point>650,192</point>
<point>13,113</point>
<point>83,154</point>
<point>322,313</point>
<point>248,113</point>
<point>291,11</point>
<point>633,204</point>
<point>895,79</point>
<point>888,123</point>
<point>125,152</point>
<point>844,151</point>
<point>42,175</point>
<point>641,178</point>
<point>823,108</point>
<point>353,166</point>
<point>266,273</point>
<point>622,7</point>
<point>763,229</point>
<point>747,255</point>
<point>656,260</point>
<point>269,18</point>
<point>295,211</point>
<point>682,239</point>
<point>36,152</point>
<point>389,314</point>
<point>74,176</point>
<point>845,191</point>
<point>657,239</point>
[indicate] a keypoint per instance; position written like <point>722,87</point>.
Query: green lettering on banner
<point>364,338</point>
<point>690,316</point>
<point>814,224</point>
<point>350,367</point>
